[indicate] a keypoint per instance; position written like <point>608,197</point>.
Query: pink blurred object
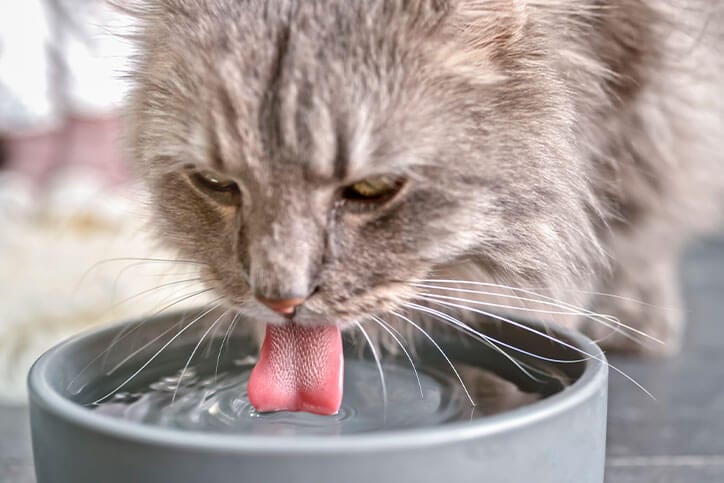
<point>84,145</point>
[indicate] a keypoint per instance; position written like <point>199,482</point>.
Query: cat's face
<point>336,151</point>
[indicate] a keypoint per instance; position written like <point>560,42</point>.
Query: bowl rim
<point>42,395</point>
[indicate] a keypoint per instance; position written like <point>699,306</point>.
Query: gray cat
<point>330,159</point>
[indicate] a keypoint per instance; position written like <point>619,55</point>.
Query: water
<point>200,399</point>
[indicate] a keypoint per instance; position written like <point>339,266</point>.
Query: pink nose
<point>281,306</point>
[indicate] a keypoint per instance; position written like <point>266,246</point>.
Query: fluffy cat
<point>339,153</point>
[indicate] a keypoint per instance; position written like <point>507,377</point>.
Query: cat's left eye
<point>213,181</point>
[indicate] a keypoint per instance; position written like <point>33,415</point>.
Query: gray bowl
<point>560,438</point>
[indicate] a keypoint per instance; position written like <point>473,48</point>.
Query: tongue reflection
<point>299,369</point>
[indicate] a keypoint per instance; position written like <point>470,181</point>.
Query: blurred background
<point>73,246</point>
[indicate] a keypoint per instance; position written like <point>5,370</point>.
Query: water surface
<point>204,398</point>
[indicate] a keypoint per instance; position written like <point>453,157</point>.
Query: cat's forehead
<point>285,94</point>
<point>314,144</point>
<point>331,129</point>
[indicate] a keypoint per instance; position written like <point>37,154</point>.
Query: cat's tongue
<point>299,369</point>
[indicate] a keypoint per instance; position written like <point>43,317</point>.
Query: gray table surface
<point>679,438</point>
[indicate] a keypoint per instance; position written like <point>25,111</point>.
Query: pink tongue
<point>299,369</point>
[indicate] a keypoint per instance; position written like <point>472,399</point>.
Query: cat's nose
<point>282,306</point>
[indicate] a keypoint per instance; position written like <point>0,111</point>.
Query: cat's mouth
<point>300,365</point>
<point>300,368</point>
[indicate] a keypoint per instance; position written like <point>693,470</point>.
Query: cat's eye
<point>378,189</point>
<point>223,189</point>
<point>214,181</point>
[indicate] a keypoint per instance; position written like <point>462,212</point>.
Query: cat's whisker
<point>130,329</point>
<point>493,342</point>
<point>540,298</point>
<point>126,332</point>
<point>223,341</point>
<point>193,353</point>
<point>613,332</point>
<point>594,316</point>
<point>130,356</point>
<point>133,354</point>
<point>210,343</point>
<point>613,328</point>
<point>442,352</point>
<point>131,259</point>
<point>389,329</point>
<point>570,309</point>
<point>486,339</point>
<point>594,293</point>
<point>546,336</point>
<point>463,327</point>
<point>480,337</point>
<point>147,260</point>
<point>165,273</point>
<point>114,289</point>
<point>535,291</point>
<point>153,357</point>
<point>138,264</point>
<point>163,303</point>
<point>153,289</point>
<point>614,296</point>
<point>376,356</point>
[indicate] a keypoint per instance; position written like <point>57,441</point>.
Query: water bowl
<point>165,401</point>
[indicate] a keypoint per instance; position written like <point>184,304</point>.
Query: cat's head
<point>334,151</point>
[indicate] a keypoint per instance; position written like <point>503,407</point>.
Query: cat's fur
<point>565,144</point>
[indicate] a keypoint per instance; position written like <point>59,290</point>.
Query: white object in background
<point>59,59</point>
<point>26,95</point>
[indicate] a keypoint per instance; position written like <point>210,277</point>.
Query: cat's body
<point>569,145</point>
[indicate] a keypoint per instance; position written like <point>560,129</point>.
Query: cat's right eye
<point>215,184</point>
<point>214,181</point>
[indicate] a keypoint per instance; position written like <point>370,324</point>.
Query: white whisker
<point>528,309</point>
<point>131,259</point>
<point>122,271</point>
<point>495,343</point>
<point>488,340</point>
<point>546,301</point>
<point>389,329</point>
<point>146,364</point>
<point>437,346</point>
<point>130,329</point>
<point>223,341</point>
<point>210,343</point>
<point>462,327</point>
<point>379,364</point>
<point>193,353</point>
<point>153,289</point>
<point>126,332</point>
<point>567,290</point>
<point>133,354</point>
<point>570,309</point>
<point>549,337</point>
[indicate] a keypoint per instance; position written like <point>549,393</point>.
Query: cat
<point>330,159</point>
